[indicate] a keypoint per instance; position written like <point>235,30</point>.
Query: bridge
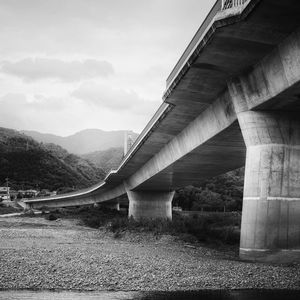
<point>233,99</point>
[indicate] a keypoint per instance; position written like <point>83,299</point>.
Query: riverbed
<point>38,254</point>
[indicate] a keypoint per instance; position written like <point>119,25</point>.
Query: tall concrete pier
<point>267,111</point>
<point>271,204</point>
<point>150,205</point>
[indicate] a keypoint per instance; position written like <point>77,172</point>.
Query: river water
<point>202,295</point>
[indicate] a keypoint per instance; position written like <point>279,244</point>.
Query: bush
<point>29,213</point>
<point>210,227</point>
<point>93,221</point>
<point>203,227</point>
<point>52,217</point>
<point>8,209</point>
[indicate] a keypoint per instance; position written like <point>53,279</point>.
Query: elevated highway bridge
<point>233,99</point>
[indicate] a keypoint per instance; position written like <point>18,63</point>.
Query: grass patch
<point>51,217</point>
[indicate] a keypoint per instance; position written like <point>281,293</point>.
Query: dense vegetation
<point>4,209</point>
<point>208,227</point>
<point>221,193</point>
<point>29,164</point>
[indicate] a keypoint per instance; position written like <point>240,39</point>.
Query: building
<point>4,193</point>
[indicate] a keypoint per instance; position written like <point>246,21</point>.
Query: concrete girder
<point>216,118</point>
<point>70,200</point>
<point>273,83</point>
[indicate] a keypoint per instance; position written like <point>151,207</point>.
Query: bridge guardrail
<point>162,110</point>
<point>219,6</point>
<point>226,4</point>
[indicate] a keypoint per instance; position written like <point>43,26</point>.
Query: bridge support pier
<point>116,206</point>
<point>271,206</point>
<point>150,205</point>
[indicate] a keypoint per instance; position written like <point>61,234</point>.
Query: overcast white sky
<point>68,65</point>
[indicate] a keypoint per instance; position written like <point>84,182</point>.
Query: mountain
<point>29,164</point>
<point>106,159</point>
<point>85,141</point>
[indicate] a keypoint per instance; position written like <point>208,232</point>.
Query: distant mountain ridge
<point>85,141</point>
<point>29,164</point>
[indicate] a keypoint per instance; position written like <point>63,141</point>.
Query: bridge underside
<point>224,152</point>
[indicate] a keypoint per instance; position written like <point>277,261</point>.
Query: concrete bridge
<point>232,99</point>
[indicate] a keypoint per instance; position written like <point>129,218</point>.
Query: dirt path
<point>40,254</point>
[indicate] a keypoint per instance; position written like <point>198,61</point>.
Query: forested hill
<point>224,192</point>
<point>29,164</point>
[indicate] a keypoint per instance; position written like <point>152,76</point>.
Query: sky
<point>69,65</point>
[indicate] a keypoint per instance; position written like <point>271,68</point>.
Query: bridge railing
<point>220,5</point>
<point>217,7</point>
<point>226,4</point>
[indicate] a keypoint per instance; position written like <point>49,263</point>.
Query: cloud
<point>32,69</point>
<point>65,115</point>
<point>14,112</point>
<point>45,43</point>
<point>20,111</point>
<point>104,96</point>
<point>51,104</point>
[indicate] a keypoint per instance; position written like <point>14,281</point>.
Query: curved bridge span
<point>232,99</point>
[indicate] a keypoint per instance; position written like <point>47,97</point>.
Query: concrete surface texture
<point>271,204</point>
<point>230,97</point>
<point>150,205</point>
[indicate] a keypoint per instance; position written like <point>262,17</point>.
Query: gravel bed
<point>40,254</point>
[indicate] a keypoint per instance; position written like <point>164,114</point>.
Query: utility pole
<point>125,143</point>
<point>128,141</point>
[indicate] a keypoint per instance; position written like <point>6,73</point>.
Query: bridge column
<point>150,205</point>
<point>116,206</point>
<point>271,206</point>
